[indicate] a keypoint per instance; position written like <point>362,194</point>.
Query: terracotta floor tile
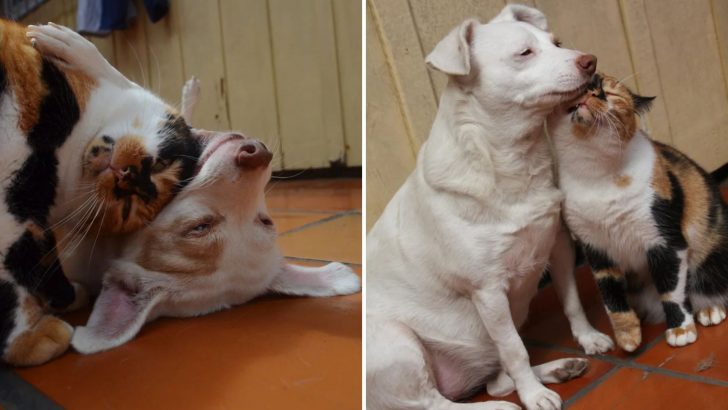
<point>711,344</point>
<point>337,240</point>
<point>317,195</point>
<point>285,221</point>
<point>597,369</point>
<point>548,324</point>
<point>633,389</point>
<point>274,352</point>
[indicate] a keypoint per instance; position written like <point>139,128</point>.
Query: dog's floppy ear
<point>118,314</point>
<point>452,54</point>
<point>518,12</point>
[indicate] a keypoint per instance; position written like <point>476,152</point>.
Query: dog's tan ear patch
<point>518,12</point>
<point>452,54</point>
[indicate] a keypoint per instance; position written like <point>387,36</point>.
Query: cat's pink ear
<point>118,314</point>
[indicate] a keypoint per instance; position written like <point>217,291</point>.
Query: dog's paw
<point>540,398</point>
<point>711,316</point>
<point>682,335</point>
<point>341,280</point>
<point>570,369</point>
<point>594,342</point>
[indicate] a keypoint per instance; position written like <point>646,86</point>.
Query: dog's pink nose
<point>253,154</point>
<point>587,63</point>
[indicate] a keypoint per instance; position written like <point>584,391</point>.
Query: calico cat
<point>652,222</point>
<point>100,156</point>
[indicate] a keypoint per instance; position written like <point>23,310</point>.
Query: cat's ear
<point>119,313</point>
<point>641,104</point>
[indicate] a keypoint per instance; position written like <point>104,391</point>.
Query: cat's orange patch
<point>679,331</point>
<point>623,181</point>
<point>660,182</point>
<point>608,273</point>
<point>47,339</point>
<point>627,332</point>
<point>82,85</point>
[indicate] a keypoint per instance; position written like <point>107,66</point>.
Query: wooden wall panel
<point>295,84</point>
<point>673,49</point>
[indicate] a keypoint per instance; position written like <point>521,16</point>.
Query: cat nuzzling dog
<point>80,151</point>
<point>213,246</point>
<point>652,222</point>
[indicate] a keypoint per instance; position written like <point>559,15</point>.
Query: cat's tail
<point>720,175</point>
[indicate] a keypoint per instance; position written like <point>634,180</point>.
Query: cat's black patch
<point>674,316</point>
<point>613,294</point>
<point>8,304</point>
<point>668,215</point>
<point>670,156</point>
<point>597,259</point>
<point>711,277</point>
<point>664,265</point>
<point>178,143</point>
<point>32,190</point>
<point>33,263</point>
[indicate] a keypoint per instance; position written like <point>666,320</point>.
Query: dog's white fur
<point>455,258</point>
<point>222,208</point>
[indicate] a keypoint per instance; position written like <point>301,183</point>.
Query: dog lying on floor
<point>212,247</point>
<point>455,258</point>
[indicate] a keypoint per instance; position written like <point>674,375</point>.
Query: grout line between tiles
<point>302,259</point>
<point>16,393</point>
<point>632,364</point>
<point>591,386</point>
<point>319,222</point>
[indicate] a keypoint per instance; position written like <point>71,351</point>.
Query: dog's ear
<point>119,313</point>
<point>518,12</point>
<point>452,54</point>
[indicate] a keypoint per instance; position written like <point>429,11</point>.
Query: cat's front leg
<point>612,285</point>
<point>669,271</point>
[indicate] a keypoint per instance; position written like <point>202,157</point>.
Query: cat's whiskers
<point>93,246</point>
<point>72,214</point>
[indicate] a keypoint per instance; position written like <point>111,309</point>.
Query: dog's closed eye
<point>265,220</point>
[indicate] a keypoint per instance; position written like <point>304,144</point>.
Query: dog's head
<point>214,245</point>
<point>513,59</point>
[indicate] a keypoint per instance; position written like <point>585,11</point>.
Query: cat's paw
<point>594,342</point>
<point>97,155</point>
<point>628,339</point>
<point>682,335</point>
<point>711,316</point>
<point>539,397</point>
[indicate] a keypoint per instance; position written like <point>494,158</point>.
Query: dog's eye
<point>557,43</point>
<point>526,52</point>
<point>203,227</point>
<point>200,228</point>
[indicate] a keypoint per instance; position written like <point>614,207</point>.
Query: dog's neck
<point>476,148</point>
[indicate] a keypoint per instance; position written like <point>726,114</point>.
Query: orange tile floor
<point>275,352</point>
<point>656,376</point>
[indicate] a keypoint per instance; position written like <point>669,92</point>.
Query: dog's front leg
<point>562,273</point>
<point>494,310</point>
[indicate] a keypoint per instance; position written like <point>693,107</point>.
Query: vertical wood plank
<point>47,12</point>
<point>647,72</point>
<point>403,52</point>
<point>307,83</point>
<point>249,67</point>
<point>202,56</point>
<point>720,17</point>
<point>390,156</point>
<point>435,18</point>
<point>166,71</point>
<point>692,79</point>
<point>347,21</point>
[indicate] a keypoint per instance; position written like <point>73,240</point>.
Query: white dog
<point>211,247</point>
<point>455,258</point>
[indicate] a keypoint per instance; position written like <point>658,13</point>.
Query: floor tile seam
<point>318,222</point>
<point>303,259</point>
<point>17,393</point>
<point>630,363</point>
<point>591,386</point>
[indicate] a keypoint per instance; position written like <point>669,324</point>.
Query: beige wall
<point>674,49</point>
<point>285,71</point>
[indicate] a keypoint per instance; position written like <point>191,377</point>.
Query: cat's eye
<point>160,165</point>
<point>526,52</point>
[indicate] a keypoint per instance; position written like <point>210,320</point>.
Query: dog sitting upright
<point>455,258</point>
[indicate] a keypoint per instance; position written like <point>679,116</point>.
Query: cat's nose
<point>252,154</point>
<point>587,63</point>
